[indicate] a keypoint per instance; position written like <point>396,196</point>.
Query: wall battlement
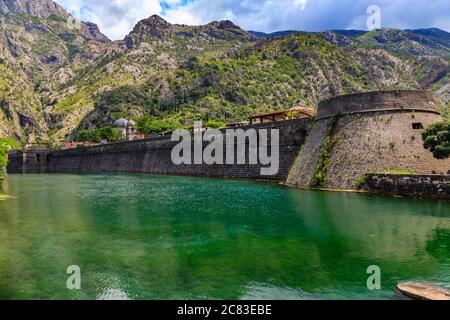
<point>381,101</point>
<point>154,156</point>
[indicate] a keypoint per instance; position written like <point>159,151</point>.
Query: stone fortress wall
<point>416,185</point>
<point>375,132</point>
<point>154,156</point>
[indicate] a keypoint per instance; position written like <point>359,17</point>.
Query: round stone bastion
<point>387,101</point>
<point>373,132</point>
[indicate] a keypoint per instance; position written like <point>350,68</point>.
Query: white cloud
<point>183,16</point>
<point>172,2</point>
<point>301,3</point>
<point>319,15</point>
<point>116,18</point>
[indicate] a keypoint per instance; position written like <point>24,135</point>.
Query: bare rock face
<point>156,21</point>
<point>45,9</point>
<point>92,32</point>
<point>35,33</point>
<point>153,27</point>
<point>227,30</point>
<point>337,39</point>
<point>156,28</point>
<point>37,8</point>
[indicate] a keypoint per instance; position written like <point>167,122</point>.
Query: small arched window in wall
<point>417,126</point>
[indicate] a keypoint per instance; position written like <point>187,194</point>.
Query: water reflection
<point>147,237</point>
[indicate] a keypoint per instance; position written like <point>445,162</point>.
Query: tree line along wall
<point>154,156</point>
<point>370,132</point>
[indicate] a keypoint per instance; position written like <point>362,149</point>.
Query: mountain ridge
<point>73,79</point>
<point>158,28</point>
<point>38,8</point>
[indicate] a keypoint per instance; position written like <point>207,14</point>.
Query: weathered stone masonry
<point>154,156</point>
<point>372,132</point>
<point>436,185</point>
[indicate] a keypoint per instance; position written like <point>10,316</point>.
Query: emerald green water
<point>153,237</point>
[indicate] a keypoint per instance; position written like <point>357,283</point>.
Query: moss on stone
<point>319,177</point>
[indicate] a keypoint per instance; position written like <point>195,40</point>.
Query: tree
<point>215,124</point>
<point>88,135</point>
<point>107,133</point>
<point>151,125</point>
<point>6,145</point>
<point>110,134</point>
<point>437,139</point>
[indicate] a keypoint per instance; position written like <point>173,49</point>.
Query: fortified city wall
<point>368,132</point>
<point>375,132</point>
<point>154,156</point>
<point>417,185</point>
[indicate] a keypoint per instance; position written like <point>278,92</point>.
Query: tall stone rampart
<point>368,132</point>
<point>154,156</point>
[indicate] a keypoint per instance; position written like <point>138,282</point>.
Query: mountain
<point>277,34</point>
<point>41,48</point>
<point>156,28</point>
<point>434,34</point>
<point>350,33</point>
<point>410,43</point>
<point>36,8</point>
<point>142,77</point>
<point>418,42</point>
<point>58,76</point>
<point>232,78</point>
<point>426,50</point>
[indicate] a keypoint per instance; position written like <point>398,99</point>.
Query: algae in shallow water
<point>5,197</point>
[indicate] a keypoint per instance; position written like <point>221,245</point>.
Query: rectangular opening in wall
<point>417,126</point>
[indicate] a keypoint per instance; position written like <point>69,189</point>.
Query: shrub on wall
<point>319,178</point>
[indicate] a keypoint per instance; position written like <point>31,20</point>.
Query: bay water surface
<point>157,237</point>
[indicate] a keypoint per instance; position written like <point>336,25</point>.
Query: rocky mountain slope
<point>41,48</point>
<point>57,76</point>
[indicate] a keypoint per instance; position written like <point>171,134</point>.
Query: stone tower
<point>368,132</point>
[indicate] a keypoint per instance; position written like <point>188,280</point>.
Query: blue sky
<point>116,18</point>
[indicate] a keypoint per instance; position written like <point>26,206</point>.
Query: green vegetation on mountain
<point>57,81</point>
<point>405,43</point>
